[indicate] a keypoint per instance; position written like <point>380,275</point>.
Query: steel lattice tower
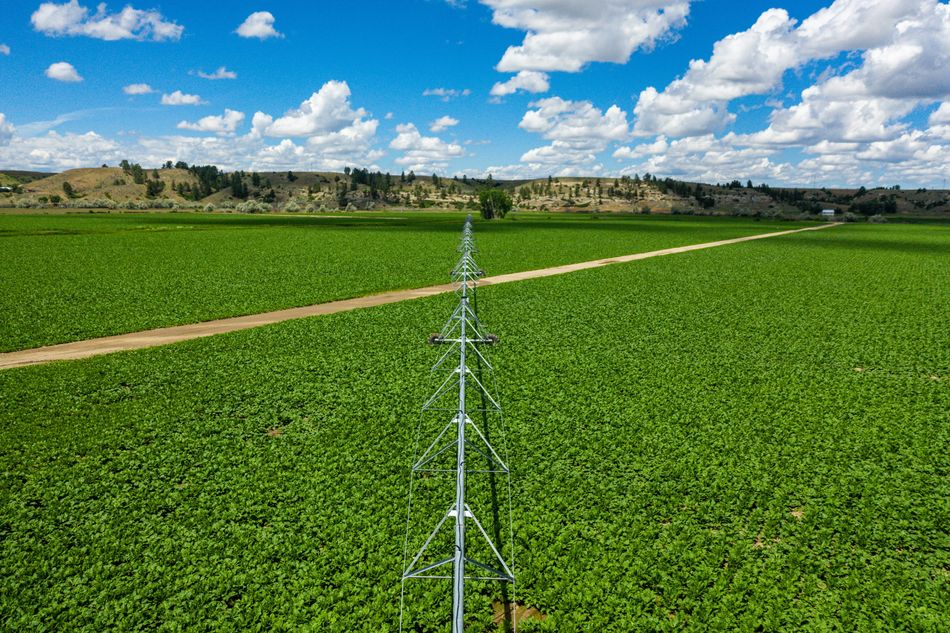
<point>460,447</point>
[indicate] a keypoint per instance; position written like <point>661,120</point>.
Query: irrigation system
<point>465,415</point>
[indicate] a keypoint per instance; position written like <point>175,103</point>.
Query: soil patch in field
<point>513,612</point>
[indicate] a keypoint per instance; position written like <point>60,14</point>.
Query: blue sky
<point>822,93</point>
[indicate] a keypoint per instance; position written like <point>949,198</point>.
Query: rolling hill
<point>208,188</point>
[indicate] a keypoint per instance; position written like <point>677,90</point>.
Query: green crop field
<point>66,278</point>
<point>752,437</point>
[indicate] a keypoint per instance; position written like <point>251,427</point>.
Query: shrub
<point>878,219</point>
<point>99,203</point>
<point>252,206</point>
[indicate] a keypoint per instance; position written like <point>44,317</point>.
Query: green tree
<point>153,188</point>
<point>494,203</point>
<point>68,189</point>
<point>238,188</point>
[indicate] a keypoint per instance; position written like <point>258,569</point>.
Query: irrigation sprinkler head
<point>491,339</point>
<point>435,339</point>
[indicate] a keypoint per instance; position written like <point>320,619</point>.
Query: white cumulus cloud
<point>701,158</point>
<point>59,151</point>
<point>906,70</point>
<point>578,132</point>
<point>63,71</point>
<point>666,113</point>
<point>4,49</point>
<point>446,94</point>
<point>71,18</point>
<point>576,121</point>
<point>423,153</point>
<point>327,110</point>
<point>941,116</point>
<point>138,89</point>
<point>442,123</point>
<point>178,98</point>
<point>562,35</point>
<point>260,25</point>
<point>6,130</point>
<point>526,81</point>
<point>336,133</point>
<point>223,125</point>
<point>247,152</point>
<point>754,61</point>
<point>220,73</point>
<point>853,124</point>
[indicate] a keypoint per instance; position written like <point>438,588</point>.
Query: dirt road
<point>164,336</point>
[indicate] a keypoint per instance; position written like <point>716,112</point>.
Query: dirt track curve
<point>166,335</point>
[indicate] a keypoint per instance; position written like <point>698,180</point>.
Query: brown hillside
<point>9,177</point>
<point>108,182</point>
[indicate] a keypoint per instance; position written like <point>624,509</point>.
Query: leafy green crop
<point>65,278</point>
<point>753,437</point>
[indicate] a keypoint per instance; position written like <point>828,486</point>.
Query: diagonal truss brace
<point>503,574</point>
<point>431,453</point>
